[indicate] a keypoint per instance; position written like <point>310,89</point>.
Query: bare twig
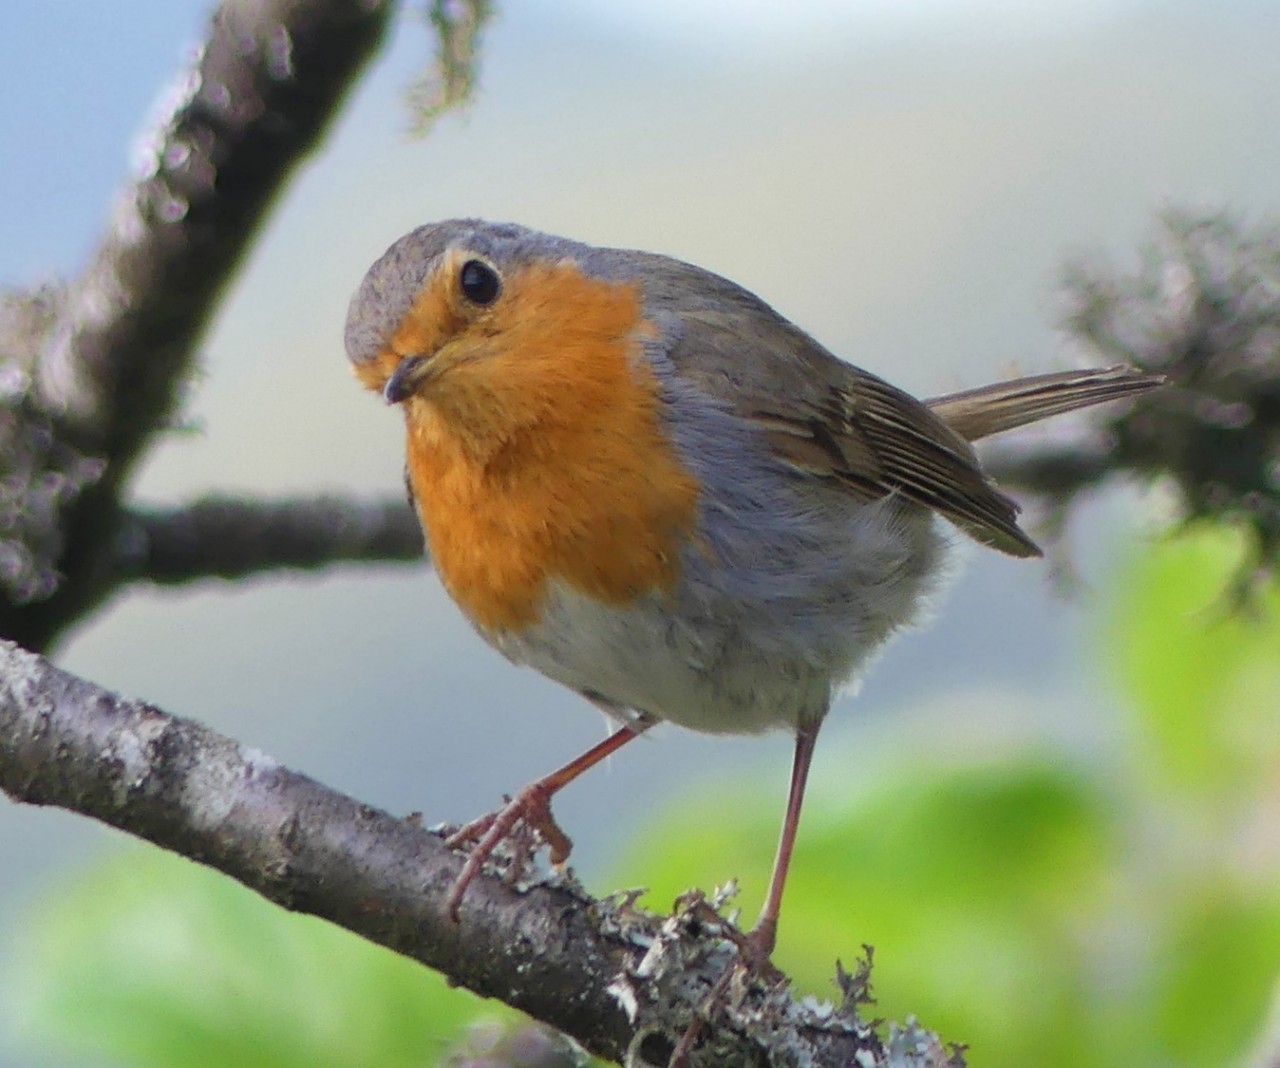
<point>232,538</point>
<point>622,982</point>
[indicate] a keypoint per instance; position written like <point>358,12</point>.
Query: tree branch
<point>264,86</point>
<point>99,362</point>
<point>1203,310</point>
<point>232,538</point>
<point>622,982</point>
<point>1056,473</point>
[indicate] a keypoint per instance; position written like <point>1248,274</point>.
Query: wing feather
<point>835,422</point>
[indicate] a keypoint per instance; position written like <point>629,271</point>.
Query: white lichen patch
<point>623,991</point>
<point>132,748</point>
<point>212,787</point>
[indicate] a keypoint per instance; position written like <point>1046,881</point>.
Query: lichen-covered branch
<point>622,982</point>
<point>229,538</point>
<point>1203,308</point>
<point>261,91</point>
<point>91,369</point>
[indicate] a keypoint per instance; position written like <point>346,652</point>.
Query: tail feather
<point>977,413</point>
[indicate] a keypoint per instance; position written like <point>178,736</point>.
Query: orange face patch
<point>435,316</point>
<point>536,451</point>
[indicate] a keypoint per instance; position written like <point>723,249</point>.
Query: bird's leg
<point>756,946</point>
<point>532,807</point>
<point>764,935</point>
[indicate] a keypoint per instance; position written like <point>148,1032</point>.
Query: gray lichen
<point>42,473</point>
<point>1204,308</point>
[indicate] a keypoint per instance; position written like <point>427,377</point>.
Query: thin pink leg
<point>532,804</point>
<point>764,935</point>
<point>757,945</point>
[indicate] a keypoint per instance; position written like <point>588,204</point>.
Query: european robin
<point>638,478</point>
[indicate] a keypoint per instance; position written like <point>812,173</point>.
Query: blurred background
<point>906,181</point>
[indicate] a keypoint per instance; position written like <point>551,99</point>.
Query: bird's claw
<point>525,819</point>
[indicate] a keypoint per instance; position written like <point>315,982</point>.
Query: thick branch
<point>232,538</point>
<point>266,82</point>
<point>115,345</point>
<point>614,978</point>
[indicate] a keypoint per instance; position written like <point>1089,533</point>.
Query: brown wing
<point>878,440</point>
<point>833,421</point>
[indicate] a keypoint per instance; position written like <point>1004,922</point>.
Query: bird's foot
<point>525,821</point>
<point>752,962</point>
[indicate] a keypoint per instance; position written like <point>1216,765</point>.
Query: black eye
<point>480,283</point>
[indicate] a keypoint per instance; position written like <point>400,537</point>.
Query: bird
<point>636,477</point>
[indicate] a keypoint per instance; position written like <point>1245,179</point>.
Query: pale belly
<point>729,652</point>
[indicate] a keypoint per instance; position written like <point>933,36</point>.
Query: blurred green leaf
<point>157,961</point>
<point>1215,972</point>
<point>1202,672</point>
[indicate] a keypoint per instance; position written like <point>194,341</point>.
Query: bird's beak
<point>405,379</point>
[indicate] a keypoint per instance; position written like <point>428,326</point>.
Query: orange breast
<point>538,454</point>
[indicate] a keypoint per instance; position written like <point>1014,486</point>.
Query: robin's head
<point>490,328</point>
<point>536,441</point>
